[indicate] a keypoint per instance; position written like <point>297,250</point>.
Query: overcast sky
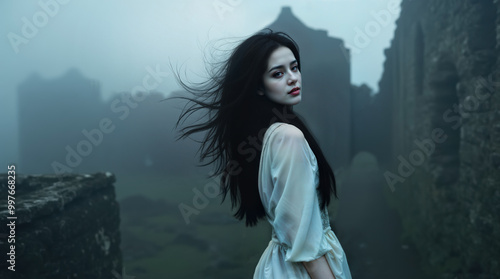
<point>115,41</point>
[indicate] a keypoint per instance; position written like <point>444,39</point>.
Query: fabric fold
<point>288,182</point>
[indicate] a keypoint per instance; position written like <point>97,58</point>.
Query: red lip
<point>294,90</point>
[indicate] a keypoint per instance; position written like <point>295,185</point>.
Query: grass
<point>162,245</point>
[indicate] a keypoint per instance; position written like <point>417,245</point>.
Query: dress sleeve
<point>297,222</point>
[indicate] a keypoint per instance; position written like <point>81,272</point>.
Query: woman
<point>268,160</point>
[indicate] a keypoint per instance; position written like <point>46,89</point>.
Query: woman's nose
<point>293,78</point>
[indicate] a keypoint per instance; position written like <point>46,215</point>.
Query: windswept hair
<point>237,118</point>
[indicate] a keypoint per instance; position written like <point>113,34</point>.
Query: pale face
<point>282,79</point>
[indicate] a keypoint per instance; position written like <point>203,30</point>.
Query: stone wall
<point>326,78</point>
<point>67,227</point>
<point>442,81</point>
<point>66,127</point>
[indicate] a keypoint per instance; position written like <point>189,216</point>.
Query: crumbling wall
<point>327,107</point>
<point>66,226</point>
<point>441,76</point>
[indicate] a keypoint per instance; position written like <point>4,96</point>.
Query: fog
<point>68,68</point>
<point>113,42</point>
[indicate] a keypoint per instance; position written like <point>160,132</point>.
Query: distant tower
<point>326,103</point>
<point>52,115</point>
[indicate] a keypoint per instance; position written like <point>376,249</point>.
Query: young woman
<point>269,162</point>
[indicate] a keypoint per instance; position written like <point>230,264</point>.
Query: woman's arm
<point>319,269</point>
<point>297,217</point>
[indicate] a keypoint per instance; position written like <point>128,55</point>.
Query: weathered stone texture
<point>442,74</point>
<point>67,227</point>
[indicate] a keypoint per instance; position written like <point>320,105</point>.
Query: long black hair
<point>238,118</point>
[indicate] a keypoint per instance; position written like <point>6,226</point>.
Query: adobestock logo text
<point>31,26</point>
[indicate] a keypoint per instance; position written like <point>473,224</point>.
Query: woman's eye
<point>295,68</point>
<point>277,74</point>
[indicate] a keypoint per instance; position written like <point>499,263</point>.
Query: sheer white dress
<point>288,181</point>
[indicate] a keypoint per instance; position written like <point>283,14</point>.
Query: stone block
<point>67,226</point>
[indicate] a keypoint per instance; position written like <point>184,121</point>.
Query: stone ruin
<point>441,83</point>
<point>67,226</point>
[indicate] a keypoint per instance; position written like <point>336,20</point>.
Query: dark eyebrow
<point>281,66</point>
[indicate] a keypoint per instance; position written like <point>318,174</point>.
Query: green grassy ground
<point>157,242</point>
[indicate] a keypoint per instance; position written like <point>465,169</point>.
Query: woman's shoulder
<point>283,134</point>
<point>285,130</point>
<point>285,139</point>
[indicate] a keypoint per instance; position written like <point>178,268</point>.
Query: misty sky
<point>115,41</point>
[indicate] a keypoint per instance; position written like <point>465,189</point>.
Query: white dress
<point>288,181</point>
